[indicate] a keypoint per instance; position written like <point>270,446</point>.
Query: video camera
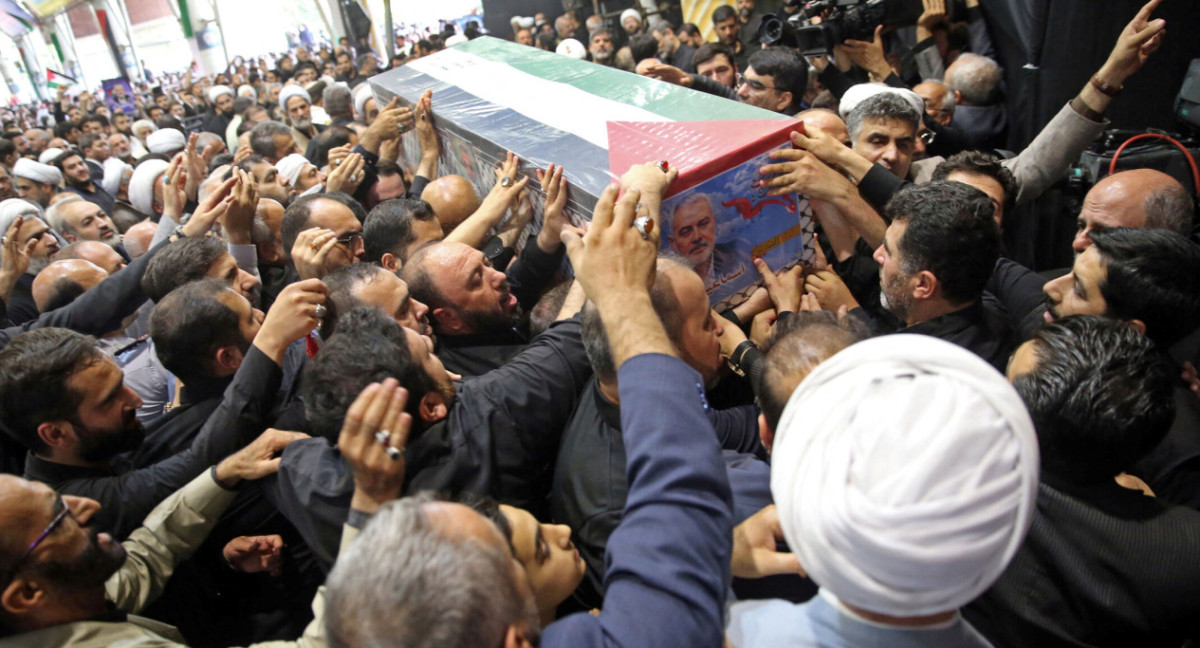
<point>837,21</point>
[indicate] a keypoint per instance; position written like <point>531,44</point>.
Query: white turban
<point>37,172</point>
<point>14,207</point>
<point>217,91</point>
<point>525,22</point>
<point>457,39</point>
<point>863,91</point>
<point>141,185</point>
<point>247,91</point>
<point>291,166</point>
<point>361,94</point>
<point>166,140</point>
<point>292,91</point>
<point>571,47</point>
<point>631,13</point>
<point>905,470</point>
<point>47,156</point>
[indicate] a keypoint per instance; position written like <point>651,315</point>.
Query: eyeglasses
<point>61,512</point>
<point>755,85</point>
<point>927,137</point>
<point>349,239</point>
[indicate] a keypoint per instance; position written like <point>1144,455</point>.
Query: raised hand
<point>786,289</point>
<point>372,440</point>
<point>257,460</point>
<point>754,547</point>
<point>296,312</point>
<point>255,554</point>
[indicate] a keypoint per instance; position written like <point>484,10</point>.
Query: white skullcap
<point>631,13</point>
<point>36,171</point>
<point>457,39</point>
<point>525,22</point>
<point>14,207</point>
<point>141,185</point>
<point>863,91</point>
<point>217,91</point>
<point>47,156</point>
<point>292,91</point>
<point>166,140</point>
<point>571,47</point>
<point>905,470</point>
<point>361,94</point>
<point>291,166</point>
<point>246,90</point>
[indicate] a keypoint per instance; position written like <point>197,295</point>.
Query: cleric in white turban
<point>292,91</point>
<point>142,187</point>
<point>904,471</point>
<point>217,91</point>
<point>167,141</point>
<point>41,180</point>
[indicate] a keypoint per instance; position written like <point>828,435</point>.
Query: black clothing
<point>127,497</point>
<point>682,58</point>
<point>21,307</point>
<point>96,195</point>
<point>98,311</point>
<point>216,123</point>
<point>478,353</point>
<point>500,439</point>
<point>714,87</point>
<point>1101,566</point>
<point>981,330</point>
<point>590,488</point>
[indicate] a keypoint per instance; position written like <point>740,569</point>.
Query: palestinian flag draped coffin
<point>491,96</point>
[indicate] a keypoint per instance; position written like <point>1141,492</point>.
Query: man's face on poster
<point>694,231</point>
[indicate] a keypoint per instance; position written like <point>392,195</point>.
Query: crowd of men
<point>278,381</point>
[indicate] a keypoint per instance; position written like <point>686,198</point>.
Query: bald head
<point>1135,198</point>
<point>137,238</point>
<point>62,281</point>
<point>453,199</point>
<point>101,254</point>
<point>827,121</point>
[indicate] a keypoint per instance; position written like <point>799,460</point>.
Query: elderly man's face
<point>1115,201</point>
<point>694,232</point>
<point>719,68</point>
<point>934,96</point>
<point>524,37</point>
<point>890,142</point>
<point>300,112</point>
<point>699,345</point>
<point>631,25</point>
<point>89,222</point>
<point>601,47</point>
<point>35,229</point>
<point>118,145</point>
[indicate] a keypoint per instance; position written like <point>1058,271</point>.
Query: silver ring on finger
<point>642,224</point>
<point>383,436</point>
<point>3,240</point>
<point>321,310</point>
<point>506,182</point>
<point>395,453</point>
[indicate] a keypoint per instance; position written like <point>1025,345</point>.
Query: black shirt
<point>1101,566</point>
<point>500,439</point>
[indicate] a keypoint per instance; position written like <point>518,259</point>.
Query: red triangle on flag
<point>700,150</point>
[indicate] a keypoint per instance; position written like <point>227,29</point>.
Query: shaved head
<point>453,199</point>
<point>70,277</point>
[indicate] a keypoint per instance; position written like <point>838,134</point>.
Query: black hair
<point>984,164</point>
<point>339,286</point>
<point>723,13</point>
<point>181,262</point>
<point>1152,275</point>
<point>298,215</point>
<point>709,51</point>
<point>1100,396</point>
<point>642,47</point>
<point>329,139</point>
<point>368,347</point>
<point>950,233</point>
<point>190,324</point>
<point>35,368</point>
<point>388,228</point>
<point>787,67</point>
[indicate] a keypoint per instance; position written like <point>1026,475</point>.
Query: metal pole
<point>390,30</point>
<point>221,30</point>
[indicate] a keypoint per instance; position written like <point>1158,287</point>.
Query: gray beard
<point>37,264</point>
<point>303,125</point>
<point>113,242</point>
